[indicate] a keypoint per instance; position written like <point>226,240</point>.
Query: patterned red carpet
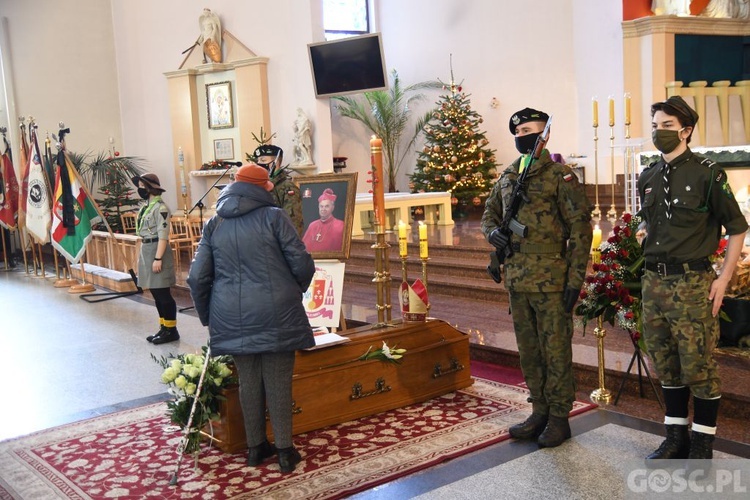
<point>131,454</point>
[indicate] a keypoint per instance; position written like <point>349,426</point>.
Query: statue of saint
<point>302,139</point>
<point>738,9</point>
<point>210,38</point>
<point>671,7</point>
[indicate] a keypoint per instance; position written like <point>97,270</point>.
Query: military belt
<point>541,248</point>
<point>149,240</point>
<point>665,269</point>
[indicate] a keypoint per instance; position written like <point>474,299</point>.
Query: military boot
<point>557,431</point>
<point>701,446</point>
<point>151,338</point>
<point>529,428</point>
<point>676,446</point>
<point>168,335</point>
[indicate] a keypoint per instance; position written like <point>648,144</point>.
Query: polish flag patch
<point>568,177</point>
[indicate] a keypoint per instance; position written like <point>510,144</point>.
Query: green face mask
<point>666,141</point>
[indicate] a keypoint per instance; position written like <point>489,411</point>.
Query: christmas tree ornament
<point>476,201</point>
<point>454,159</point>
<point>454,201</point>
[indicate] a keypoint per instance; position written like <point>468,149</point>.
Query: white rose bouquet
<point>181,374</point>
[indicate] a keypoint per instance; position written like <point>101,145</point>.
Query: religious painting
<point>327,213</point>
<point>219,103</point>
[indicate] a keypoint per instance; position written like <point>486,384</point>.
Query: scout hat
<point>524,116</point>
<point>254,175</point>
<point>151,181</point>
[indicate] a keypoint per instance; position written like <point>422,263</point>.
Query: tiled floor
<point>68,360</point>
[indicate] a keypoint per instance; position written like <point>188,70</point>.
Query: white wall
<point>548,54</point>
<point>552,55</point>
<point>61,59</point>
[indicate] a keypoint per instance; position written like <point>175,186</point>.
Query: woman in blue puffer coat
<point>247,281</point>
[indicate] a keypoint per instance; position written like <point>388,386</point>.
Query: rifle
<point>510,224</point>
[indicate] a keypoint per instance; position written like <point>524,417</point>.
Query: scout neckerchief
<point>145,211</point>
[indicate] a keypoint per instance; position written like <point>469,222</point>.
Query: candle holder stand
<point>601,395</point>
<point>612,212</point>
<point>184,205</point>
<point>424,281</point>
<point>627,171</point>
<point>597,213</point>
<point>382,278</point>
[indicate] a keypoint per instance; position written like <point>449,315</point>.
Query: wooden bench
<point>104,277</point>
<point>398,207</point>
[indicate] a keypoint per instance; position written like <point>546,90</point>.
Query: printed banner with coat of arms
<point>322,300</point>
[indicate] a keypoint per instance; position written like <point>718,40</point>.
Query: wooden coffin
<point>331,385</point>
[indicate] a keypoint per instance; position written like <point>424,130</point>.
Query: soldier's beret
<point>524,116</point>
<point>267,150</point>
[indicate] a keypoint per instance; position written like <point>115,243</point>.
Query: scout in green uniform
<point>285,192</point>
<point>155,263</point>
<point>685,201</point>
<point>543,276</point>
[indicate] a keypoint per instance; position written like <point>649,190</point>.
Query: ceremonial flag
<point>74,212</point>
<point>38,214</point>
<point>8,192</point>
<point>23,157</point>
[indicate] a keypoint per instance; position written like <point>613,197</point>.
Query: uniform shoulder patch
<point>567,177</point>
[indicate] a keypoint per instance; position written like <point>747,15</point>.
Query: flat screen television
<point>348,65</point>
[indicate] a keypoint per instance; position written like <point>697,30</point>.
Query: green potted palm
<point>111,174</point>
<point>386,113</point>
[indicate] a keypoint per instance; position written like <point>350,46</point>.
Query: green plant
<point>112,175</point>
<point>386,113</point>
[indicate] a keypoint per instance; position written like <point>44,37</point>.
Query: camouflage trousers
<point>679,331</point>
<point>544,333</point>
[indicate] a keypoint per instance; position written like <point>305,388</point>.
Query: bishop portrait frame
<point>328,213</point>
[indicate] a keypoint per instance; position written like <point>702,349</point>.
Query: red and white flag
<point>23,183</point>
<point>8,192</point>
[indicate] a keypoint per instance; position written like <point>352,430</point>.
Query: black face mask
<point>525,143</point>
<point>143,193</point>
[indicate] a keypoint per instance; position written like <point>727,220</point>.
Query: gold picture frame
<point>328,238</point>
<point>219,105</point>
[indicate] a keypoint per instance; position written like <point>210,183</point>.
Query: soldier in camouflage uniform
<point>543,276</point>
<point>285,192</point>
<point>685,202</point>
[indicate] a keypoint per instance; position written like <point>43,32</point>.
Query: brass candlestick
<point>600,396</point>
<point>424,282</point>
<point>612,212</point>
<point>597,213</point>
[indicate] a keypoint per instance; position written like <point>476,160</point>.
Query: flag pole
<point>5,251</point>
<point>108,295</point>
<point>82,287</point>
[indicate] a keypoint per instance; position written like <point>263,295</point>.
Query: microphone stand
<point>199,205</point>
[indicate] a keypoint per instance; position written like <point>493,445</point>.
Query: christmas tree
<point>117,198</point>
<point>455,157</point>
